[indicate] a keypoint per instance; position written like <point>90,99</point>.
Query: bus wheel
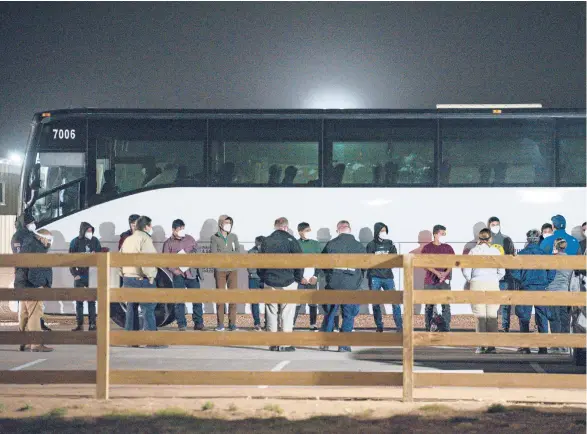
<point>164,314</point>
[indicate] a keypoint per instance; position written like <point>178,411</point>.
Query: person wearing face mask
<point>560,319</point>
<point>546,231</point>
<point>310,280</point>
<point>85,242</point>
<point>507,282</point>
<point>342,278</point>
<point>140,277</point>
<point>560,223</point>
<point>382,278</point>
<point>438,278</point>
<point>132,226</point>
<point>484,279</point>
<point>184,277</point>
<point>32,311</point>
<point>225,241</point>
<point>533,280</point>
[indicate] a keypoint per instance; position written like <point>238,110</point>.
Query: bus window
<point>571,152</point>
<point>265,152</point>
<point>381,152</point>
<point>496,152</point>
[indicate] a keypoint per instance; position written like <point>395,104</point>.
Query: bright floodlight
<point>15,158</point>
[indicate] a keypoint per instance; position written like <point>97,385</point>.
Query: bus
<point>411,169</point>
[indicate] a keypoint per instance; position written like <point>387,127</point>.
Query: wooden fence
<point>409,339</point>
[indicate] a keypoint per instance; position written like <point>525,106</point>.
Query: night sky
<point>285,55</point>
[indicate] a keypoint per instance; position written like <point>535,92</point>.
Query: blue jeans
<point>429,308</point>
<point>505,309</point>
<point>560,321</point>
<point>375,284</point>
<point>255,284</point>
<point>148,309</point>
<point>197,311</point>
<point>541,315</point>
<point>349,312</point>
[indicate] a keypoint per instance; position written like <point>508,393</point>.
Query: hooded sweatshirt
<point>559,223</point>
<point>536,280</point>
<point>562,279</point>
<point>81,244</point>
<point>16,243</point>
<point>381,247</point>
<point>484,274</point>
<point>36,277</point>
<point>507,245</point>
<point>220,244</point>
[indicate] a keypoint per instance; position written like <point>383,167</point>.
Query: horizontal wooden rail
<point>222,260</point>
<point>254,296</point>
<point>47,377</point>
<point>29,260</point>
<point>502,379</point>
<point>467,339</point>
<point>533,298</point>
<point>53,338</point>
<point>529,262</point>
<point>256,339</point>
<point>48,294</point>
<point>254,378</point>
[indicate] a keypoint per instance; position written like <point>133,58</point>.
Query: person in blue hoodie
<point>559,223</point>
<point>533,280</point>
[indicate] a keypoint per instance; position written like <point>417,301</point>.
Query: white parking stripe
<point>26,365</point>
<point>538,368</point>
<point>277,368</point>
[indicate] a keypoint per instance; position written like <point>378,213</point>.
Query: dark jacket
<point>123,236</point>
<point>343,278</point>
<point>36,277</point>
<point>381,247</point>
<point>16,244</point>
<point>534,280</point>
<point>280,242</point>
<point>81,244</point>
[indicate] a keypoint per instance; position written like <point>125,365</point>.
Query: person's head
<point>45,237</point>
<point>304,230</point>
<point>546,230</point>
<point>439,233</point>
<point>494,225</point>
<point>381,231</point>
<point>533,236</point>
<point>343,227</point>
<point>484,236</point>
<point>109,176</point>
<point>29,222</point>
<point>132,221</point>
<point>225,223</point>
<point>281,224</point>
<point>178,228</point>
<point>145,224</point>
<point>86,230</point>
<point>583,228</point>
<point>291,172</point>
<point>259,241</point>
<point>559,246</point>
<point>559,222</point>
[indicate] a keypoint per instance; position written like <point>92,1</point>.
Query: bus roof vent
<point>487,106</point>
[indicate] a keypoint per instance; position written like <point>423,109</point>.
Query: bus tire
<point>164,314</point>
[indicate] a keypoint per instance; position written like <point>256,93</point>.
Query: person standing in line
<point>382,278</point>
<point>559,223</point>
<point>583,243</point>
<point>132,226</point>
<point>533,280</point>
<point>342,278</point>
<point>546,231</point>
<point>141,277</point>
<point>32,311</point>
<point>438,278</point>
<point>484,279</point>
<point>280,241</point>
<point>181,243</point>
<point>255,283</point>
<point>507,282</point>
<point>225,241</point>
<point>560,319</point>
<point>310,281</point>
<point>85,242</point>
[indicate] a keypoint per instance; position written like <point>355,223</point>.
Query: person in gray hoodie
<point>560,321</point>
<point>225,241</point>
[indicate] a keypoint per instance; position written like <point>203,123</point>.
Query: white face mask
<point>495,229</point>
<point>307,235</point>
<point>31,227</point>
<point>547,235</point>
<point>345,231</point>
<point>150,231</point>
<point>384,235</point>
<point>441,238</point>
<point>227,228</point>
<point>181,233</point>
<point>89,235</point>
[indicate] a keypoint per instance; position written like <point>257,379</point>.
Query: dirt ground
<point>222,415</point>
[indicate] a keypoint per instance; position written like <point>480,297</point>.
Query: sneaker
<point>257,328</point>
<point>157,347</point>
<point>41,349</point>
<point>79,328</point>
<point>313,328</point>
<point>565,351</point>
<point>480,350</point>
<point>324,348</point>
<point>219,329</point>
<point>490,350</point>
<point>92,328</point>
<point>25,347</point>
<point>287,349</point>
<point>524,351</point>
<point>199,327</point>
<point>336,330</point>
<point>379,330</point>
<point>344,349</point>
<point>542,351</point>
<point>232,328</point>
<point>182,328</point>
<point>274,348</point>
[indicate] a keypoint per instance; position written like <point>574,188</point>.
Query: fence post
<point>103,346</point>
<point>408,332</point>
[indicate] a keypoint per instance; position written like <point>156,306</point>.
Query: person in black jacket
<point>31,311</point>
<point>280,241</point>
<point>342,278</point>
<point>85,242</point>
<point>382,278</point>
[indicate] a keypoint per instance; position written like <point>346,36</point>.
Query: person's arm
<point>500,273</point>
<point>298,272</point>
<point>237,246</point>
<point>167,249</point>
<point>149,272</point>
<point>72,249</point>
<point>213,244</point>
<point>98,246</point>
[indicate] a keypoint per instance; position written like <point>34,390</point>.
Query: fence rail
<point>408,339</point>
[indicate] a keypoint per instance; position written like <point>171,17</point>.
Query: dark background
<point>285,55</point>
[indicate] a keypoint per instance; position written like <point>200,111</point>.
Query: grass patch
<point>232,408</point>
<point>125,414</point>
<point>581,422</point>
<point>463,419</point>
<point>2,408</point>
<point>435,408</point>
<point>366,414</point>
<point>208,405</point>
<point>57,412</point>
<point>497,408</point>
<point>273,408</point>
<point>26,407</point>
<point>172,412</point>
